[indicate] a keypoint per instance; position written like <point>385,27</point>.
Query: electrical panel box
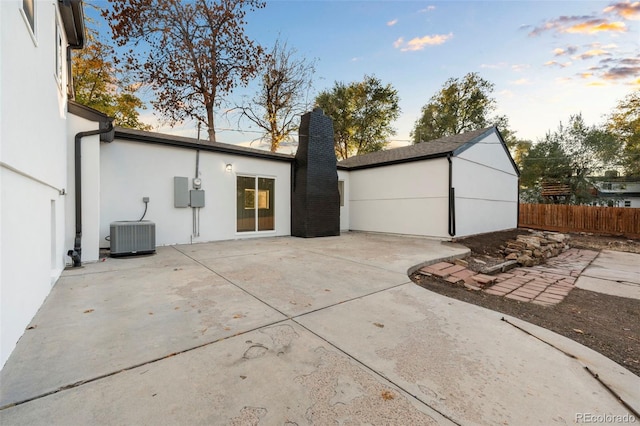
<point>197,197</point>
<point>180,192</point>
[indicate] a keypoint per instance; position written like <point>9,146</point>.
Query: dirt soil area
<point>607,324</point>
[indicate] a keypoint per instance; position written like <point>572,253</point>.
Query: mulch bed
<point>607,324</point>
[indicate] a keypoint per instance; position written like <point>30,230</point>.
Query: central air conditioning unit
<point>129,237</point>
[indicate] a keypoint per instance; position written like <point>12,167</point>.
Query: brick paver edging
<point>545,284</point>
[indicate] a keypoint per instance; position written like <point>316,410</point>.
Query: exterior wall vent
<point>128,238</point>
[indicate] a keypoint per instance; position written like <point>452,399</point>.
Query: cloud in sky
<point>392,23</point>
<point>521,82</point>
<point>569,50</point>
<point>612,66</point>
<point>584,24</point>
<point>520,67</point>
<point>557,64</point>
<point>621,72</point>
<point>595,26</point>
<point>592,53</point>
<point>419,43</point>
<point>626,10</point>
<point>427,9</point>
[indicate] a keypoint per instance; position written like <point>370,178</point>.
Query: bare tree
<point>283,95</point>
<point>192,53</point>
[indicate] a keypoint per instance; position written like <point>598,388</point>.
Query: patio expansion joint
<point>132,367</point>
<point>232,283</point>
<point>314,251</point>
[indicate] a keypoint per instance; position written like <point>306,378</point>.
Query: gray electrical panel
<point>197,198</point>
<point>181,191</point>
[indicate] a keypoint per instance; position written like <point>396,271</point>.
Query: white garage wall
<point>486,188</point>
<point>130,171</point>
<point>344,209</point>
<point>409,198</point>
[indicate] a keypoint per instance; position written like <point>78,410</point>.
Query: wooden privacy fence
<point>568,218</point>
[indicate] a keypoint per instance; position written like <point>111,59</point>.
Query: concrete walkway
<point>292,331</point>
<point>613,272</point>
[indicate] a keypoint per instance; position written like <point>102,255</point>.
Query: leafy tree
<point>624,123</point>
<point>192,53</point>
<point>460,106</point>
<point>362,114</point>
<point>99,84</point>
<point>520,150</point>
<point>283,95</point>
<point>569,156</point>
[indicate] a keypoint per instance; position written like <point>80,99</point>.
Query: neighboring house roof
<point>203,145</point>
<point>438,148</point>
<point>615,179</point>
<point>619,194</point>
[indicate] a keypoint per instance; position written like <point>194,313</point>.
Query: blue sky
<point>547,59</point>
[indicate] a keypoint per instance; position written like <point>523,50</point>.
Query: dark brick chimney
<point>315,201</point>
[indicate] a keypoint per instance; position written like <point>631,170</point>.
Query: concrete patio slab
<point>281,374</point>
<point>396,253</point>
<point>100,322</point>
<point>462,360</point>
<point>297,281</point>
<point>207,334</point>
<point>614,273</point>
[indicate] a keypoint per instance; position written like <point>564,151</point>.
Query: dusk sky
<point>547,59</point>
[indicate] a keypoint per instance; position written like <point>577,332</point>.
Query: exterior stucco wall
<point>90,173</point>
<point>486,188</point>
<point>32,167</point>
<point>344,209</point>
<point>409,198</point>
<point>130,171</point>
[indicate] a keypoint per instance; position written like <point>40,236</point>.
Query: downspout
<point>71,93</point>
<point>76,253</point>
<point>452,200</point>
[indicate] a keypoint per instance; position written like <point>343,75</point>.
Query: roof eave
<point>398,161</point>
<point>182,142</point>
<point>478,138</point>
<point>72,16</point>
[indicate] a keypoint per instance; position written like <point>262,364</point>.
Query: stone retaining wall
<point>534,249</point>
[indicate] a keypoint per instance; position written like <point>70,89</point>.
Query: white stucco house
<point>66,175</point>
<point>618,191</point>
<point>35,42</point>
<point>451,187</point>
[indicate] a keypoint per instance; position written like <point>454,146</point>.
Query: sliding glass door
<point>255,204</point>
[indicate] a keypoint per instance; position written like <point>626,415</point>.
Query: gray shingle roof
<point>420,151</point>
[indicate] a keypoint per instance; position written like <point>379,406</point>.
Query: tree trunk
<point>210,123</point>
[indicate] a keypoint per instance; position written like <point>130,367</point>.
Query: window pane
<point>246,204</point>
<point>266,204</point>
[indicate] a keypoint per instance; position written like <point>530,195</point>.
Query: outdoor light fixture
<point>229,167</point>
